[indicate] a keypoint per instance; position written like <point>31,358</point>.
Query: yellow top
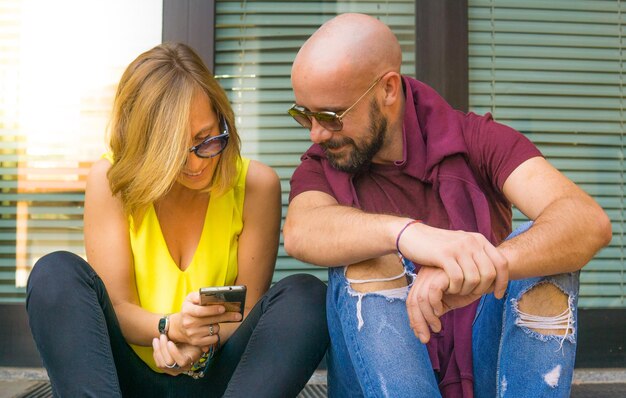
<point>161,285</point>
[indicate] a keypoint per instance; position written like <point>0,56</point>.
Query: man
<point>388,151</point>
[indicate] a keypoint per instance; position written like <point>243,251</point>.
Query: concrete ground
<point>588,383</point>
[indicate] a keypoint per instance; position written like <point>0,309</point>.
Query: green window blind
<point>554,70</point>
<point>256,42</point>
<point>55,101</point>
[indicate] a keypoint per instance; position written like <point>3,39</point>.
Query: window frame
<point>438,22</point>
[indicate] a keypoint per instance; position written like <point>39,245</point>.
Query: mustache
<point>336,143</point>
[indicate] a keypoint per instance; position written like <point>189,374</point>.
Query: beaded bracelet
<point>198,369</point>
<point>400,234</point>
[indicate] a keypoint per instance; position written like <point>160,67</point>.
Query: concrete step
<point>588,383</point>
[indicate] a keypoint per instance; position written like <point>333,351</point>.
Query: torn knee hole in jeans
<point>547,311</point>
<point>397,289</point>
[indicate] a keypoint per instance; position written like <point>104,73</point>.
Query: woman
<point>172,208</point>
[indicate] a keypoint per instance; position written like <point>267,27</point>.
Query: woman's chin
<point>195,181</point>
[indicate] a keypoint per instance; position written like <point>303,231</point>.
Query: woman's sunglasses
<point>212,146</point>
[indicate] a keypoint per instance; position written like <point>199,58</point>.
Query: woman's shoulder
<point>261,178</point>
<point>263,194</point>
<point>261,184</point>
<point>98,172</point>
<point>101,206</point>
<point>98,189</point>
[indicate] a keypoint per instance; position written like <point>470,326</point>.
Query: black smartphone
<point>233,298</point>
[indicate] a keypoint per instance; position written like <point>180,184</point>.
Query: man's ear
<point>393,88</point>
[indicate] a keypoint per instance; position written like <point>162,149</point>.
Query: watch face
<point>162,325</point>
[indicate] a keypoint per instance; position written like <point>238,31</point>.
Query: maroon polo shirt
<point>491,150</point>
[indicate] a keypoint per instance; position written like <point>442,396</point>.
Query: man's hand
<point>469,260</point>
<point>428,300</point>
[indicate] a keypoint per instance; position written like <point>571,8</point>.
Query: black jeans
<point>272,354</point>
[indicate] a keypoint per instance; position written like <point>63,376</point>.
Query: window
<point>554,70</point>
<point>256,42</point>
<point>58,74</point>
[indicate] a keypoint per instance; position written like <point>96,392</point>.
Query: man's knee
<point>377,274</point>
<point>546,309</point>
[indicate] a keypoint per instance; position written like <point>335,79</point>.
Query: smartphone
<point>233,298</point>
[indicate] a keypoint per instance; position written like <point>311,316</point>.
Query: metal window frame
<point>191,22</point>
<point>441,49</point>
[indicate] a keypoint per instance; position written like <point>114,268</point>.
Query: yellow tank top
<point>161,285</point>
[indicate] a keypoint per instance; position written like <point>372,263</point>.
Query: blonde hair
<point>149,129</point>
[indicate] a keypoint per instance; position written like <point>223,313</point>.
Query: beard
<point>359,155</point>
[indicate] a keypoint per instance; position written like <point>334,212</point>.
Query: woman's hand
<point>172,358</point>
<point>197,324</point>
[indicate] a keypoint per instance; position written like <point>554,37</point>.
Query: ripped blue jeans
<point>374,352</point>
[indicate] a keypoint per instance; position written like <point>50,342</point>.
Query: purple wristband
<point>400,234</point>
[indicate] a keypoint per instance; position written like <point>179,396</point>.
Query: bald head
<point>349,46</point>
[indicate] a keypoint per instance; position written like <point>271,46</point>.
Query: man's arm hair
<point>569,226</point>
<point>319,231</point>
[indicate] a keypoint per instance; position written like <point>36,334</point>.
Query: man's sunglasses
<point>329,120</point>
<point>212,146</point>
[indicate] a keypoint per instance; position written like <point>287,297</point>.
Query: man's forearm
<point>565,236</point>
<point>335,235</point>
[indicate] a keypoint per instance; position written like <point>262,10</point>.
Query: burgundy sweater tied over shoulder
<point>435,153</point>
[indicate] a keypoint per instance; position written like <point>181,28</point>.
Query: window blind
<point>256,42</point>
<point>554,70</point>
<point>58,74</point>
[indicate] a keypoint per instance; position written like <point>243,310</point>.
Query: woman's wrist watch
<point>164,324</point>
